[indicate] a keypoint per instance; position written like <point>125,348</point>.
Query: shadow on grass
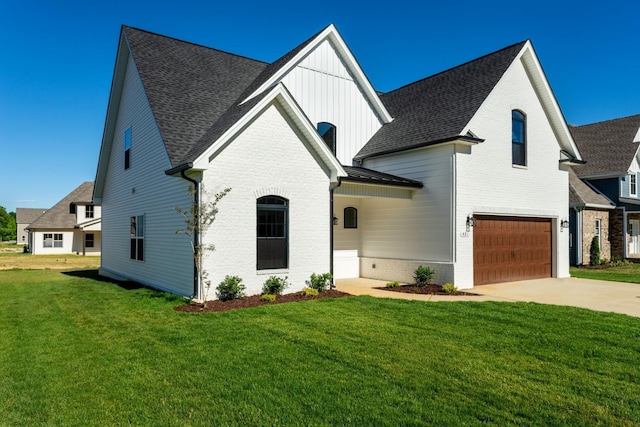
<point>127,285</point>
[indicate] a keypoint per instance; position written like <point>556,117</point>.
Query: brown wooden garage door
<point>509,248</point>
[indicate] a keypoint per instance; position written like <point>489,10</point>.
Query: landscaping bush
<point>594,252</point>
<point>230,288</point>
<point>449,288</point>
<point>424,275</point>
<point>309,292</point>
<point>393,285</point>
<point>268,297</point>
<point>321,282</point>
<point>274,285</point>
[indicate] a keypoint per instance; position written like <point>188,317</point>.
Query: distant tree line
<point>8,227</point>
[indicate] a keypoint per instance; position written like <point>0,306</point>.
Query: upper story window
<point>518,138</point>
<point>272,233</point>
<point>88,211</point>
<point>633,185</point>
<point>127,148</point>
<point>328,133</point>
<point>350,217</point>
<point>72,208</point>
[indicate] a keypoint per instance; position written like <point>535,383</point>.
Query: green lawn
<point>625,273</point>
<point>75,351</point>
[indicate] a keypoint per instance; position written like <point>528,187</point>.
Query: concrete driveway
<point>597,295</point>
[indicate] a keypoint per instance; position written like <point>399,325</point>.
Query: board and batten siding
<point>144,189</point>
<point>416,229</point>
<point>326,92</point>
<point>268,158</point>
<point>488,182</point>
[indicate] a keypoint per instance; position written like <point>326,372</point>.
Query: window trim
<point>598,231</point>
<point>136,233</point>
<point>260,240</point>
<point>633,185</point>
<point>89,211</point>
<point>127,148</point>
<point>56,240</point>
<point>89,242</point>
<point>522,145</point>
<point>347,224</point>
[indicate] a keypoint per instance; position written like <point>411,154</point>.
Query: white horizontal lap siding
<point>326,92</point>
<point>488,183</point>
<point>268,158</point>
<point>144,189</point>
<point>67,242</point>
<point>416,229</point>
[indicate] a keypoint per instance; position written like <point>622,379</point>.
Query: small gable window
<point>350,217</point>
<point>518,138</point>
<point>272,233</point>
<point>327,132</point>
<point>127,148</point>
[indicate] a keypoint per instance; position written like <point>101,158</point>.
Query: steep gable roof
<point>59,216</point>
<point>439,107</point>
<point>609,146</point>
<point>189,86</point>
<point>582,194</point>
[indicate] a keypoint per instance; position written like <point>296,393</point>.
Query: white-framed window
<point>52,240</point>
<point>633,185</point>
<point>88,211</point>
<point>127,148</point>
<point>137,237</point>
<point>598,231</point>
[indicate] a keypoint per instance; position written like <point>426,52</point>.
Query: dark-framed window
<point>88,212</point>
<point>89,240</point>
<point>137,237</point>
<point>518,138</point>
<point>127,148</point>
<point>633,185</point>
<point>272,226</point>
<point>327,132</point>
<point>350,217</point>
<point>72,208</point>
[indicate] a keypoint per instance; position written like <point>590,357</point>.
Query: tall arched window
<point>328,133</point>
<point>272,233</point>
<point>518,138</point>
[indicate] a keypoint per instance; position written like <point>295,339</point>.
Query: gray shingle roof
<point>357,174</point>
<point>582,194</point>
<point>439,107</point>
<point>59,216</point>
<point>189,86</point>
<point>607,146</point>
<point>28,215</point>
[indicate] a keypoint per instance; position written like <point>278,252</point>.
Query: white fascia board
<point>548,100</point>
<point>331,33</point>
<point>637,137</point>
<point>278,94</point>
<point>115,95</point>
<point>630,201</point>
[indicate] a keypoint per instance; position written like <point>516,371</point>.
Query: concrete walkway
<point>597,295</point>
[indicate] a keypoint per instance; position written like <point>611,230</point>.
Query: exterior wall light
<point>335,220</point>
<point>471,221</point>
<point>564,224</point>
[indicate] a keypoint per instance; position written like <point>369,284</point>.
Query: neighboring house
<point>589,219</point>
<point>465,171</point>
<point>613,164</point>
<point>24,217</point>
<point>71,226</point>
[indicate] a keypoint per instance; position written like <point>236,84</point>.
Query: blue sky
<point>57,61</point>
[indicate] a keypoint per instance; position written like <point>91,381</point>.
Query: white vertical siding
<point>416,229</point>
<point>326,92</point>
<point>253,165</point>
<point>144,189</point>
<point>488,183</point>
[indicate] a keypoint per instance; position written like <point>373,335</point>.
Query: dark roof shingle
<point>28,215</point>
<point>369,176</point>
<point>581,194</point>
<point>59,215</point>
<point>438,107</point>
<point>607,146</point>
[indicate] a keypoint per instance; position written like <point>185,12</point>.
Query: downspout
<point>331,190</point>
<point>625,243</point>
<point>196,235</point>
<point>579,249</point>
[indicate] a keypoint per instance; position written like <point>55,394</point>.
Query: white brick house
<point>326,173</point>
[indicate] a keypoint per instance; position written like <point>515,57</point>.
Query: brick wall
<point>589,217</point>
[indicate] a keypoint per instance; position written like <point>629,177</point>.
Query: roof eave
<point>458,139</point>
<point>414,185</point>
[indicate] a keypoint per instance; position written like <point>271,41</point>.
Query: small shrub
<point>309,292</point>
<point>275,285</point>
<point>449,288</point>
<point>424,275</point>
<point>230,288</point>
<point>393,284</point>
<point>268,297</point>
<point>321,282</point>
<point>594,252</point>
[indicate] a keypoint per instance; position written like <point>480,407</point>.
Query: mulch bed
<point>254,301</point>
<point>425,290</point>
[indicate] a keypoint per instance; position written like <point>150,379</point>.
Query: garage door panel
<point>511,248</point>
